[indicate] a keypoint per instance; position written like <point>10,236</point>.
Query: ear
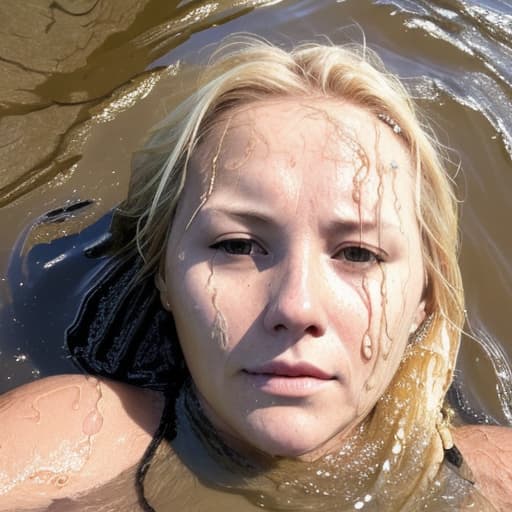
<point>162,288</point>
<point>419,317</point>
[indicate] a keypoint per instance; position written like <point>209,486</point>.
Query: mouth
<point>288,379</point>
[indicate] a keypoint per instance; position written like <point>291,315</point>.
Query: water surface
<point>81,82</point>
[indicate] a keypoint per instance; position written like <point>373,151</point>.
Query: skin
<point>297,296</point>
<point>64,435</point>
<point>335,283</point>
<point>488,452</point>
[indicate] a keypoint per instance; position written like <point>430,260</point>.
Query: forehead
<point>333,147</point>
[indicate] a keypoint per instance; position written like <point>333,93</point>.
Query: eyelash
<point>371,257</point>
<point>360,256</point>
<point>229,246</point>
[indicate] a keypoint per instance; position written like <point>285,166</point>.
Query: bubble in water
<point>358,505</point>
<point>282,486</point>
<point>397,448</point>
<point>20,358</point>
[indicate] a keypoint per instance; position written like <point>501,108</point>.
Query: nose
<point>296,299</point>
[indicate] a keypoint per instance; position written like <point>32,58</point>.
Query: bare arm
<point>488,452</point>
<point>64,435</point>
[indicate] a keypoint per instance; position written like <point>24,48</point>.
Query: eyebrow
<point>244,214</point>
<point>337,225</point>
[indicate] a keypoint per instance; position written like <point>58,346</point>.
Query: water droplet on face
<point>367,347</point>
<point>397,448</point>
<point>386,466</point>
<point>367,352</point>
<point>358,505</point>
<point>92,423</point>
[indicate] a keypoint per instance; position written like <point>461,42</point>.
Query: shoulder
<point>488,452</point>
<point>64,435</point>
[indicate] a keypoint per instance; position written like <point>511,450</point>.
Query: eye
<point>239,246</point>
<point>359,255</point>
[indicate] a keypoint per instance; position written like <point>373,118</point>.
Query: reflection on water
<point>82,81</point>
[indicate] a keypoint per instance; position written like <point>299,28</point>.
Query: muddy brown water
<point>82,81</point>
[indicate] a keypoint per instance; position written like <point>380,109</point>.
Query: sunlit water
<point>82,82</point>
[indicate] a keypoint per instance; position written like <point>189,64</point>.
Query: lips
<point>284,369</point>
<point>290,380</point>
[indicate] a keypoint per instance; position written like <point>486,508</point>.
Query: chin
<point>285,447</point>
<point>297,438</point>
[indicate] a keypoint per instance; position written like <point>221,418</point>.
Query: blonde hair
<point>247,70</point>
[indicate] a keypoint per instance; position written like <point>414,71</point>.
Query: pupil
<point>239,247</point>
<point>357,254</point>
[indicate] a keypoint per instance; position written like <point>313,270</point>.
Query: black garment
<point>122,332</point>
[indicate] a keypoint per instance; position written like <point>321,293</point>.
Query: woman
<point>302,235</point>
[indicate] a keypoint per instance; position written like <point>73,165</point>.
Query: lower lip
<point>286,386</point>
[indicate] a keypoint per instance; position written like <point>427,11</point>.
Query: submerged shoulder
<point>64,435</point>
<point>488,452</point>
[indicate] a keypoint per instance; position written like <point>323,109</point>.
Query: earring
<point>419,335</point>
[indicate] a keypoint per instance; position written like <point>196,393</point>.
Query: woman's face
<point>294,271</point>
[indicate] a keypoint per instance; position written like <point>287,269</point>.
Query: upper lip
<point>285,369</point>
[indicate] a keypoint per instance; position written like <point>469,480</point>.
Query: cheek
<point>372,318</point>
<point>358,307</point>
<point>394,303</point>
<point>190,295</point>
<point>399,294</point>
<point>375,340</point>
<point>192,304</point>
<point>212,308</point>
<point>240,303</point>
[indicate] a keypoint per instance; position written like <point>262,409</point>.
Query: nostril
<point>313,330</point>
<point>280,327</point>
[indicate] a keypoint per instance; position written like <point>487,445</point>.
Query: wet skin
<point>294,271</point>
